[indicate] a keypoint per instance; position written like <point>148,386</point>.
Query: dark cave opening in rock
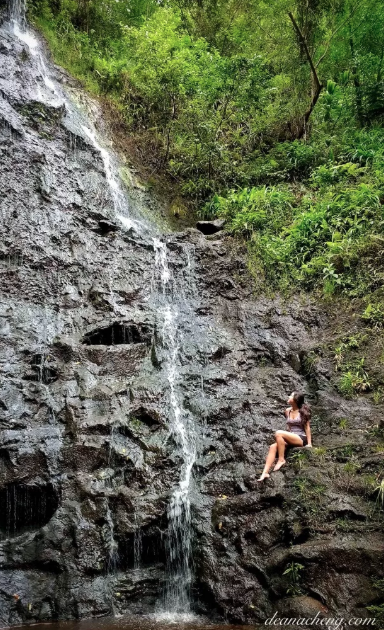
<point>106,227</point>
<point>117,334</point>
<point>26,508</point>
<point>149,417</point>
<point>143,548</point>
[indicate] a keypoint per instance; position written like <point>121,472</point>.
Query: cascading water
<point>178,541</point>
<point>179,575</point>
<point>112,546</point>
<point>16,12</point>
<point>54,94</point>
<point>118,197</point>
<point>18,24</point>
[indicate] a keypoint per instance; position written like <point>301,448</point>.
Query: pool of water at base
<point>149,622</point>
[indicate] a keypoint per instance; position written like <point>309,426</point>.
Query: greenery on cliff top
<point>266,113</point>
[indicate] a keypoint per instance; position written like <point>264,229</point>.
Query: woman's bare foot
<point>279,465</point>
<point>262,476</point>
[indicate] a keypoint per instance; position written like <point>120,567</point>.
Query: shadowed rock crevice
<point>149,417</point>
<point>144,548</point>
<point>106,227</point>
<point>41,370</point>
<point>117,334</point>
<point>26,508</point>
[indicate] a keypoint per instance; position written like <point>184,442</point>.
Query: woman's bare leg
<point>269,461</point>
<point>280,451</point>
<point>282,438</point>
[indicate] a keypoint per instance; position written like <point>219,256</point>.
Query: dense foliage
<point>330,232</point>
<point>266,113</point>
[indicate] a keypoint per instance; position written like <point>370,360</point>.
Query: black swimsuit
<point>295,426</point>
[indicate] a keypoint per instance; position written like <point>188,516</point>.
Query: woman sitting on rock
<point>299,432</point>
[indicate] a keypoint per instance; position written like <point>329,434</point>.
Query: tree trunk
<point>316,84</point>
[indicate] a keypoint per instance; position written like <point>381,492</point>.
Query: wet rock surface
<point>87,461</point>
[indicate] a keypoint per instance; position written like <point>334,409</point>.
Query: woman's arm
<point>308,433</point>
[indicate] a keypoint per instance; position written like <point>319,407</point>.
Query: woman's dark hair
<point>305,410</point>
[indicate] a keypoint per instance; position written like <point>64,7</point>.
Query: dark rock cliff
<point>87,460</point>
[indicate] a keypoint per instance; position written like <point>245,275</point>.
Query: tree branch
<point>316,81</point>
<point>307,53</point>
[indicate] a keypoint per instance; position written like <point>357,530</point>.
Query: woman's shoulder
<point>286,412</point>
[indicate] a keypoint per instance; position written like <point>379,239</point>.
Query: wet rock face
<point>87,462</point>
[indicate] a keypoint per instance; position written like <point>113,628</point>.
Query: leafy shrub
<point>374,315</point>
<point>325,175</point>
<point>261,209</point>
<point>343,348</point>
<point>293,571</point>
<point>354,380</point>
<point>313,239</point>
<point>378,610</point>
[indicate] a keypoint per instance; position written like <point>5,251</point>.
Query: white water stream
<point>119,198</point>
<point>18,26</point>
<point>179,552</point>
<point>55,96</point>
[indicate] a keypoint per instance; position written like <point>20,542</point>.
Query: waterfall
<point>18,24</point>
<point>119,199</point>
<point>112,546</point>
<point>178,543</point>
<point>16,12</point>
<point>169,301</point>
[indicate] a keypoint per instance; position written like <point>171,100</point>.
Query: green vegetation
<point>344,525</point>
<point>309,363</point>
<point>374,315</point>
<point>135,423</point>
<point>331,237</point>
<point>377,611</point>
<point>267,114</point>
<point>354,380</point>
<point>293,571</point>
<point>299,459</point>
<point>343,348</point>
<point>355,359</point>
<point>380,493</point>
<point>346,452</point>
